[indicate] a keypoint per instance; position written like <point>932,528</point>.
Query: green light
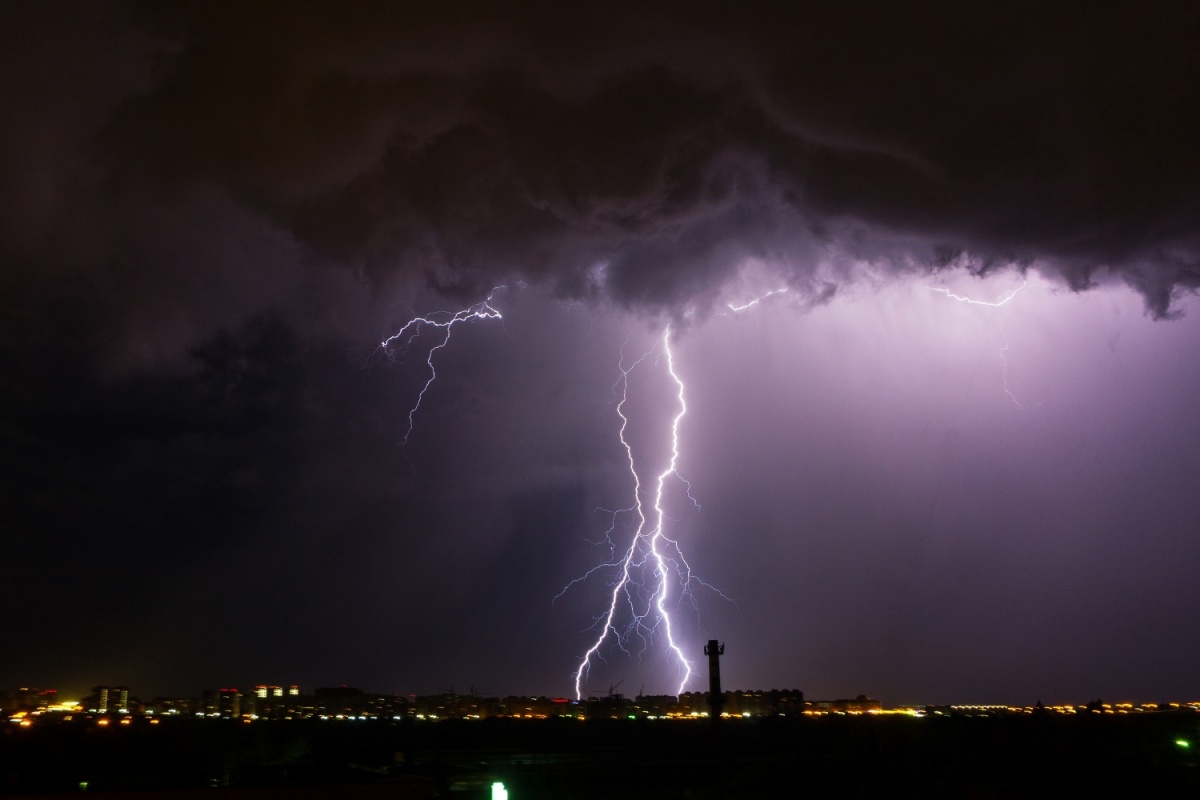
<point>83,786</point>
<point>1184,743</point>
<point>498,791</point>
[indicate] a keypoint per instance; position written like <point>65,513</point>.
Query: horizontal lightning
<point>1004,298</point>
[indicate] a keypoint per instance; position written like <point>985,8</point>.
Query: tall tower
<point>714,651</point>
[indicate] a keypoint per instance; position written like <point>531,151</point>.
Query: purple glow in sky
<point>927,523</point>
<point>213,213</point>
<point>863,466</point>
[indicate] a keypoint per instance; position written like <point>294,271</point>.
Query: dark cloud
<point>248,158</point>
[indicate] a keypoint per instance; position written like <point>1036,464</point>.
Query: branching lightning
<point>651,554</point>
<point>1004,300</point>
<point>401,340</point>
<point>650,549</point>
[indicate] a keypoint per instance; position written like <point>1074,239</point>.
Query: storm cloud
<point>180,168</point>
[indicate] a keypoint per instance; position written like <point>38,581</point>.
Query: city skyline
<point>863,340</point>
<point>270,702</point>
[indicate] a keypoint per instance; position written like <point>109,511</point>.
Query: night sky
<point>212,214</point>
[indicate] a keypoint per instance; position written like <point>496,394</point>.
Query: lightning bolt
<point>653,564</point>
<point>444,321</point>
<point>650,548</point>
<point>754,302</point>
<point>1004,300</point>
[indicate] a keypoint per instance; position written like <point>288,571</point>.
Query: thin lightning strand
<point>403,338</point>
<point>658,535</point>
<point>627,561</point>
<point>1004,300</point>
<point>756,300</point>
<point>1008,391</point>
<point>644,545</point>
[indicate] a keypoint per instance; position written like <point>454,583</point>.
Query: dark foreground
<point>977,757</point>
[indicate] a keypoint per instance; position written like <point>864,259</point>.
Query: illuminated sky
<point>212,215</point>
